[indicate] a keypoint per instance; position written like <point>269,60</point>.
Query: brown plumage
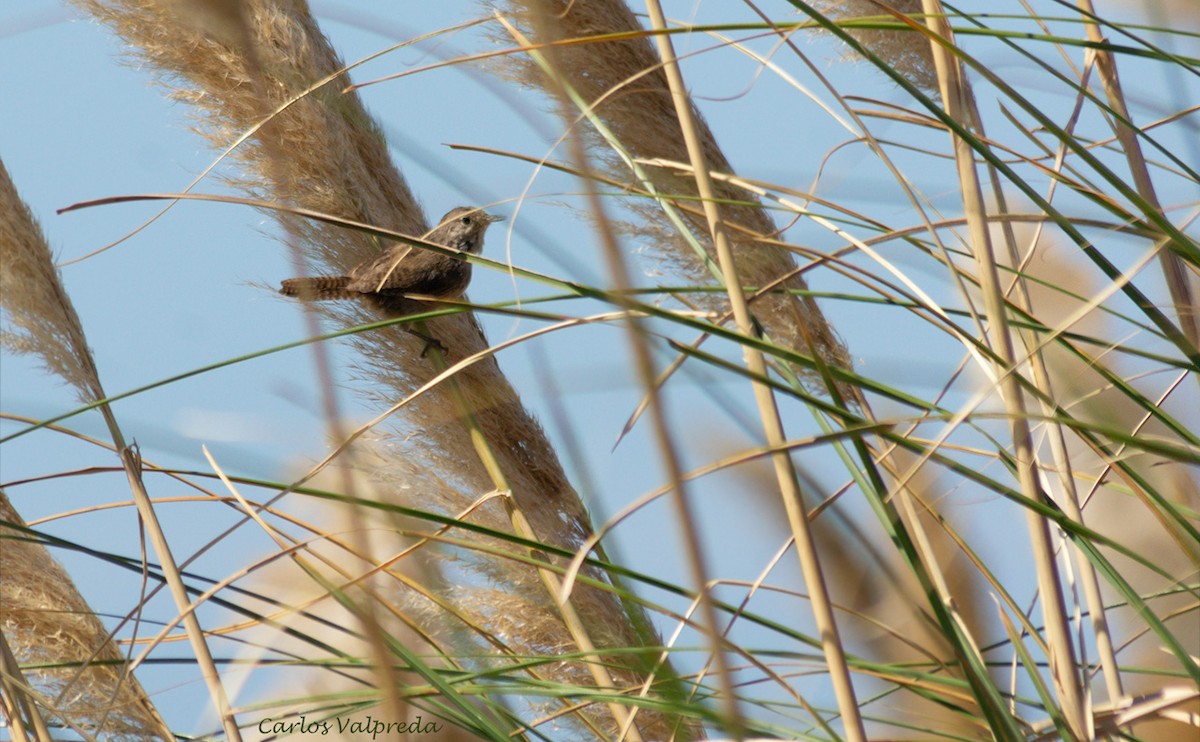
<point>401,271</point>
<point>320,287</point>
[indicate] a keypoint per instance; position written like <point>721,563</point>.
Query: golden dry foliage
<point>623,82</point>
<point>314,146</point>
<point>45,621</point>
<point>41,319</point>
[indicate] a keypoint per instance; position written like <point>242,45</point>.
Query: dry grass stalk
<point>957,99</point>
<point>910,55</point>
<point>338,164</point>
<point>787,480</point>
<point>890,46</point>
<point>1179,280</point>
<point>1127,516</point>
<point>622,79</point>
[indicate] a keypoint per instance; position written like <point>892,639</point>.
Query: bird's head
<point>463,228</point>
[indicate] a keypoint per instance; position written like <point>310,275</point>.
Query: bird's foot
<point>430,342</point>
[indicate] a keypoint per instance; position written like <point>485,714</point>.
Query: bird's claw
<point>430,342</point>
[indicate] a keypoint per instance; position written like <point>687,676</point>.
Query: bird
<point>392,279</point>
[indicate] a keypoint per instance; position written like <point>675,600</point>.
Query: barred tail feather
<point>320,287</point>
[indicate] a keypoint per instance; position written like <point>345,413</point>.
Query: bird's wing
<point>382,273</point>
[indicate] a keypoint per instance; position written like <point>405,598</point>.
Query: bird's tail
<point>320,287</point>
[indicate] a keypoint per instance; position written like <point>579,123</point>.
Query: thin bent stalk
<point>1058,444</point>
<point>275,162</point>
<point>785,473</point>
<point>523,528</point>
<point>1173,267</point>
<point>1057,435</point>
<point>903,521</point>
<point>646,373</point>
<point>132,462</point>
<point>1061,653</point>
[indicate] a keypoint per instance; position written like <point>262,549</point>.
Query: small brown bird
<point>402,271</point>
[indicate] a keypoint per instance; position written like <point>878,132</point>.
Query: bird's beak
<point>492,218</point>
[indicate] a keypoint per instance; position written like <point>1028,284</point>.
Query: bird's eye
<point>466,220</point>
